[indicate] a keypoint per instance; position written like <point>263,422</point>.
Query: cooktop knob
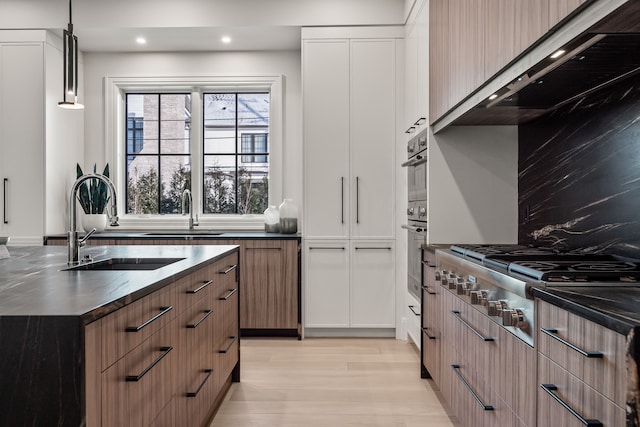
<point>491,308</point>
<point>477,297</point>
<point>410,211</point>
<point>514,317</point>
<point>438,275</point>
<point>461,287</point>
<point>422,212</point>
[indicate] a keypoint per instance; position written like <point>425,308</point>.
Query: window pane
<point>175,177</point>
<point>219,184</point>
<point>253,110</point>
<point>219,110</point>
<point>142,185</point>
<point>253,188</point>
<point>143,105</point>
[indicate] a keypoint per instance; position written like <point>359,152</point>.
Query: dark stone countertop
<point>33,282</point>
<point>616,308</point>
<point>196,234</point>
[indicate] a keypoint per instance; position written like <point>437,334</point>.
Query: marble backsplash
<point>579,174</point>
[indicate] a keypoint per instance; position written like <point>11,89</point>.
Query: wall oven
<point>416,224</point>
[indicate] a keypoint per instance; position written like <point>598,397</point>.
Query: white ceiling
<point>189,39</point>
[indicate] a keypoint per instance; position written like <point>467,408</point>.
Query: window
<point>236,128</point>
<point>162,136</point>
<point>157,152</point>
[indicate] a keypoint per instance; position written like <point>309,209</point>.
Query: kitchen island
<point>118,347</point>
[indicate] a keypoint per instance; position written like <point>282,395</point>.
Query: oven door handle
<point>417,160</point>
<point>413,228</point>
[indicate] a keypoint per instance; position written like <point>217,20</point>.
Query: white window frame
<point>115,133</point>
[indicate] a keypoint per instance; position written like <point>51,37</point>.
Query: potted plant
<point>93,196</point>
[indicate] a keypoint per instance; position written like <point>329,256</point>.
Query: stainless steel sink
<point>183,233</point>
<point>126,264</point>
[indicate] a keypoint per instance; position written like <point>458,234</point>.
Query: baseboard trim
<point>349,333</point>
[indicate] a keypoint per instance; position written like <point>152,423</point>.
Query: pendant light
<point>70,68</point>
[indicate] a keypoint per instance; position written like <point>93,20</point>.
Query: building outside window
<point>160,163</point>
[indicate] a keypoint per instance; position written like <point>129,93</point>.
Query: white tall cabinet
<point>349,107</point>
<point>39,142</point>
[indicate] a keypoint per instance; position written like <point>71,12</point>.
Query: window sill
<point>249,223</point>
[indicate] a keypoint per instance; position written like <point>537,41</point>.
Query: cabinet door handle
<point>206,378</point>
<point>420,121</point>
<point>233,339</point>
<point>163,311</point>
<point>456,313</point>
<point>4,196</point>
<point>410,130</point>
<point>195,325</point>
<point>426,289</point>
<point>426,332</point>
<point>138,377</point>
<point>550,388</point>
<point>342,198</point>
<point>201,287</point>
<point>553,333</point>
<point>357,200</point>
<point>321,248</point>
<point>227,296</point>
<point>456,369</point>
<point>413,311</point>
<point>230,269</point>
<point>373,248</point>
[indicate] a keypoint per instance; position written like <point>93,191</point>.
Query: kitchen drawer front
<point>606,373</point>
<point>413,316</point>
<point>431,353</point>
<point>581,398</point>
<point>129,326</point>
<point>139,386</point>
<point>193,287</point>
<point>195,373</point>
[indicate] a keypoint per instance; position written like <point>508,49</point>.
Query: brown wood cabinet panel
<point>439,57</point>
<point>150,314</point>
<point>560,9</point>
<point>588,403</point>
<point>532,21</point>
<point>269,297</point>
<point>137,403</point>
<point>607,374</point>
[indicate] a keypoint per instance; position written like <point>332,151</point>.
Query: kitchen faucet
<point>73,241</point>
<point>186,194</point>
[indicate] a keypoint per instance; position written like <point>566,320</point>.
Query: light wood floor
<point>330,382</point>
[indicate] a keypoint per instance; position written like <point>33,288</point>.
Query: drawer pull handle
<point>429,265</point>
<point>429,291</point>
<point>4,205</point>
<point>163,311</point>
<point>482,337</point>
<point>426,332</point>
<point>233,339</point>
<point>456,369</point>
<point>230,269</point>
<point>315,248</point>
<point>201,287</point>
<point>195,393</point>
<point>138,377</point>
<point>372,248</point>
<point>227,296</point>
<point>195,325</point>
<point>553,333</point>
<point>413,311</point>
<point>550,388</point>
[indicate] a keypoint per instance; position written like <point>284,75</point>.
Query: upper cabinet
<point>417,69</point>
<point>471,41</point>
<point>349,87</point>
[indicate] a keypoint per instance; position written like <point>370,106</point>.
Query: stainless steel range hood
<point>590,64</point>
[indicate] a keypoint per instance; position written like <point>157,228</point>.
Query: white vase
<point>272,220</point>
<point>288,217</point>
<point>97,221</point>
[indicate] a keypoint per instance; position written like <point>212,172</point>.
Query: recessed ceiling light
<point>557,54</point>
<point>141,40</point>
<point>492,97</point>
<point>226,39</point>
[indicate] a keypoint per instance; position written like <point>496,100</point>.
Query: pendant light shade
<point>70,68</point>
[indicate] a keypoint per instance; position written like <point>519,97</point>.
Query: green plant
<point>93,194</point>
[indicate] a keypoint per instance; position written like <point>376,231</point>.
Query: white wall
<point>286,63</point>
<point>473,186</point>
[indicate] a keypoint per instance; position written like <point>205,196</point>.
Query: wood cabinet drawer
<point>575,394</point>
<point>193,287</point>
<point>139,386</point>
<point>129,326</point>
<point>587,350</point>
